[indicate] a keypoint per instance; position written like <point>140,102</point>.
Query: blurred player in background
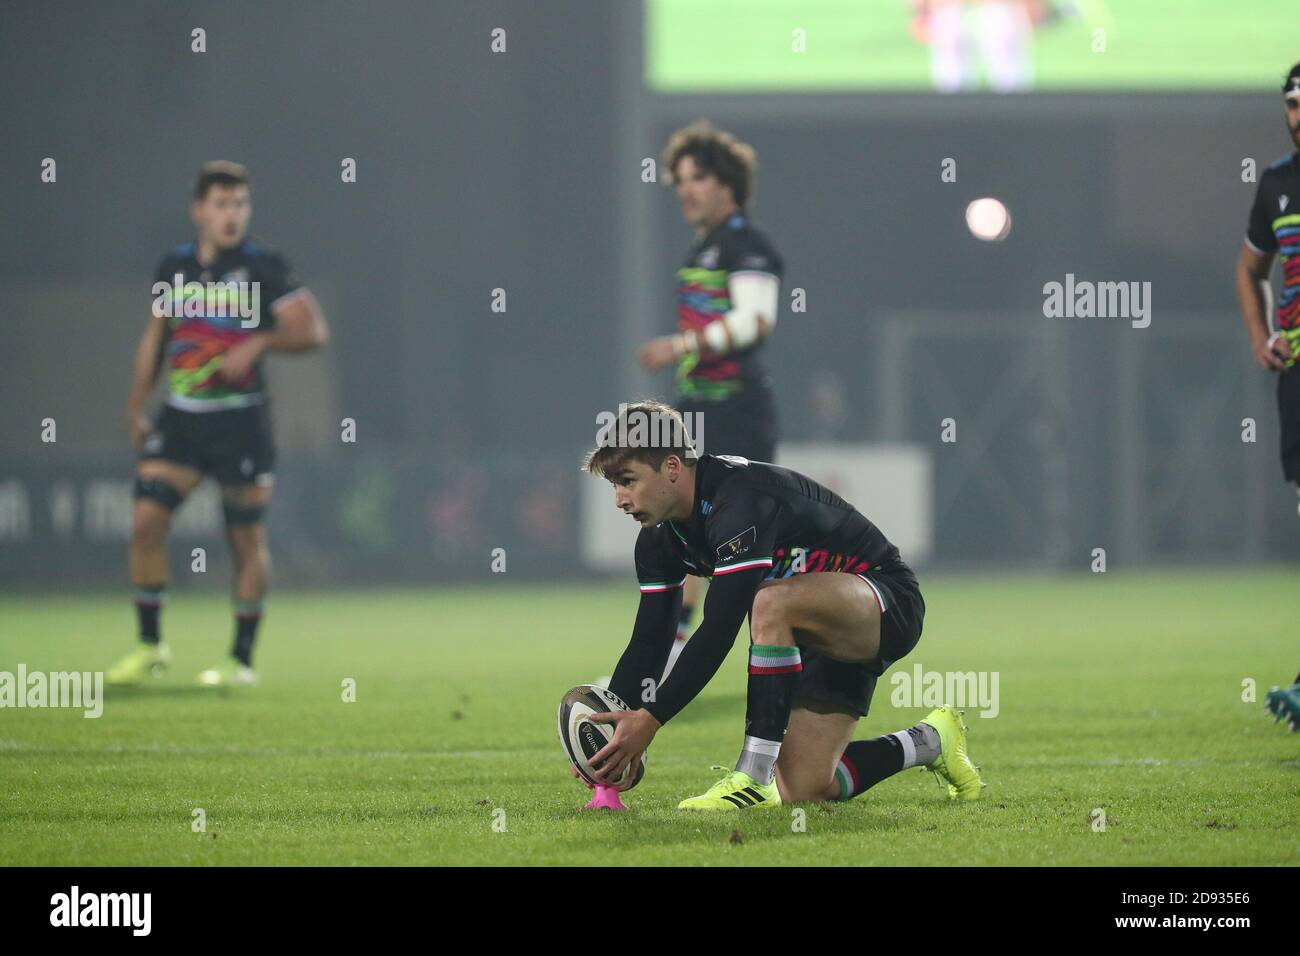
<point>727,298</point>
<point>1274,230</point>
<point>965,35</point>
<point>215,419</point>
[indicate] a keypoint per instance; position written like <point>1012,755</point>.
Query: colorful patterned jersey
<point>702,297</point>
<point>1275,228</point>
<point>210,309</point>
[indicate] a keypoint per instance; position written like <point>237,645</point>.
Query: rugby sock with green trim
<point>773,676</point>
<point>867,762</point>
<point>148,609</point>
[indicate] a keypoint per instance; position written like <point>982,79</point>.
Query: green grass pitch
<point>1118,691</point>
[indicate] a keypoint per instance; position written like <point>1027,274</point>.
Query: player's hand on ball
<point>1272,353</point>
<point>658,353</point>
<point>633,731</point>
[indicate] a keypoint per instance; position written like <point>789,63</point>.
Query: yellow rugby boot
<point>735,791</point>
<point>953,766</point>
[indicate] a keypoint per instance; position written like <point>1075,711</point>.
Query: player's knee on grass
<point>806,791</point>
<point>805,785</point>
<point>817,735</point>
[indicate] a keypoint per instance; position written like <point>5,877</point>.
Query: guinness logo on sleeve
<point>738,545</point>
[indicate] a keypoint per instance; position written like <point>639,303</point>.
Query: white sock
<point>758,759</point>
<point>920,745</point>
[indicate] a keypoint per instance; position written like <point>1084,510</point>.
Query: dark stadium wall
<point>480,171</point>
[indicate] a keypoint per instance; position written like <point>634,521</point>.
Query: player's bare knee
<point>767,617</point>
<point>806,790</point>
<point>814,795</point>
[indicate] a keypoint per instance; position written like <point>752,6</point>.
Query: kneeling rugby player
<point>819,641</point>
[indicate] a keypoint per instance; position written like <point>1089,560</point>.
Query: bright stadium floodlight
<point>988,219</point>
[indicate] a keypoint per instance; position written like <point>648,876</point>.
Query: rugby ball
<point>583,738</point>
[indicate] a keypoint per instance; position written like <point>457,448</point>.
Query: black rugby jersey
<point>753,514</point>
<point>751,522</point>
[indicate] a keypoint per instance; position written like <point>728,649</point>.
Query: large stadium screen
<point>742,46</point>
